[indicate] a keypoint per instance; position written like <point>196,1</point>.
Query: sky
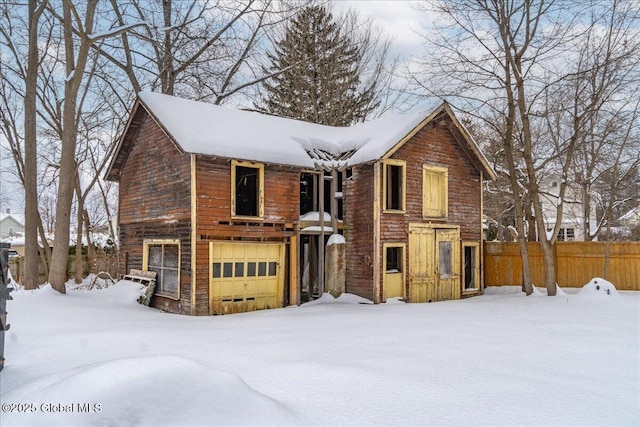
<point>97,357</point>
<point>399,19</point>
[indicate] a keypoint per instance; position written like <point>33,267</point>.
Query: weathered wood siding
<point>435,145</point>
<point>214,221</point>
<point>155,204</point>
<point>576,264</point>
<point>358,232</point>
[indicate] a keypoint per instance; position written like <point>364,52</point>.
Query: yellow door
<point>434,266</point>
<point>448,264</point>
<point>245,276</point>
<point>393,284</point>
<point>421,264</point>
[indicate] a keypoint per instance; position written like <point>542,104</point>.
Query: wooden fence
<point>108,263</point>
<point>576,264</point>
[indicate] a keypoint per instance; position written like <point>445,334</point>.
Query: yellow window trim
<point>402,164</point>
<point>260,167</point>
<point>476,268</point>
<point>145,260</point>
<point>428,211</point>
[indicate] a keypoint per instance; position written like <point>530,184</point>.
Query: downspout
<point>481,250</point>
<point>376,233</point>
<point>321,240</point>
<point>194,231</point>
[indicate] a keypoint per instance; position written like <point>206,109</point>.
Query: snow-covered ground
<point>99,358</point>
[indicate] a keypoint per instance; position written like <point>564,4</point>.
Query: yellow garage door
<point>245,276</point>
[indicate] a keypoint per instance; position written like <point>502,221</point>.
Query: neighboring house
<point>223,204</point>
<point>573,212</point>
<point>631,219</point>
<point>11,225</point>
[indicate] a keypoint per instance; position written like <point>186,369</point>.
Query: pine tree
<point>317,73</point>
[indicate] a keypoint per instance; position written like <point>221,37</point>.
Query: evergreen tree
<point>317,71</point>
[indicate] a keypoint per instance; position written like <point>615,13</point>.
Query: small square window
<point>251,269</point>
<point>227,269</point>
<point>262,269</point>
<point>273,268</point>
<point>216,269</point>
<point>239,269</point>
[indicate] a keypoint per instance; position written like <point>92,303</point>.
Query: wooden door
<point>434,264</point>
<point>393,280</point>
<point>447,251</point>
<point>421,264</point>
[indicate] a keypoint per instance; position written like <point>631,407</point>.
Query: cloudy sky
<point>400,20</point>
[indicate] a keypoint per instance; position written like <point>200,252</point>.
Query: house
<point>631,218</point>
<point>224,205</point>
<point>11,225</point>
<point>573,209</point>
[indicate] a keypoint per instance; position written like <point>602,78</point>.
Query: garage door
<point>245,276</point>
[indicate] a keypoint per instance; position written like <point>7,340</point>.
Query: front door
<point>434,263</point>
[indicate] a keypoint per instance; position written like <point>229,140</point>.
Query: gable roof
<point>203,128</point>
<point>17,218</point>
<point>632,214</point>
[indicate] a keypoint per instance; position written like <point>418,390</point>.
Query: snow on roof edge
<point>204,128</point>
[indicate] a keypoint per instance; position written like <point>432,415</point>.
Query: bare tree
<point>23,86</point>
<point>200,50</point>
<point>539,72</point>
<point>79,35</point>
<point>487,52</point>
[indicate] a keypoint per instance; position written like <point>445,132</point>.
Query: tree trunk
<point>78,259</point>
<point>91,252</point>
<point>31,279</point>
<point>68,174</point>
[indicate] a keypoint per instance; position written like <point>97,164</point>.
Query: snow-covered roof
<point>205,128</point>
<point>16,217</point>
<point>632,214</point>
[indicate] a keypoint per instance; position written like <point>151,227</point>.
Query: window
<point>445,260</point>
<point>163,257</point>
<point>471,266</point>
<point>394,259</point>
<point>242,269</point>
<point>566,235</point>
<point>435,192</point>
<point>247,186</point>
<point>394,185</point>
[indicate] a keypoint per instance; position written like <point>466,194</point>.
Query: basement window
<point>163,257</point>
<point>394,185</point>
<point>247,187</point>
